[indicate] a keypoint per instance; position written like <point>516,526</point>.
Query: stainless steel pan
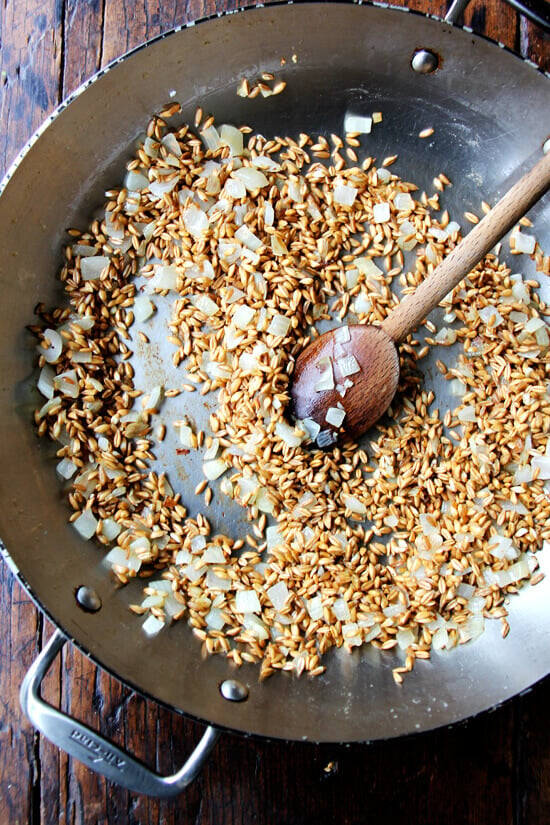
<point>490,112</point>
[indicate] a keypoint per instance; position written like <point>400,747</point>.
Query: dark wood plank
<point>19,753</point>
<point>82,25</point>
<point>532,757</point>
<point>535,44</point>
<point>30,61</point>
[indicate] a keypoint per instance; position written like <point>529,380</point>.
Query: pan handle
<point>93,749</point>
<point>537,11</point>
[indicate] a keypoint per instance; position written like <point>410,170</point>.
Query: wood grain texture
<point>494,769</point>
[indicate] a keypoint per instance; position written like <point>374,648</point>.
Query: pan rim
<point>13,167</point>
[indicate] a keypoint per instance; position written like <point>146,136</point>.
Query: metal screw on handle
<point>92,748</point>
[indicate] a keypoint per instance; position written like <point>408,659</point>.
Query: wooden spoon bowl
<point>378,360</point>
<point>360,400</point>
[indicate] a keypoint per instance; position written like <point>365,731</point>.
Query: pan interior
<point>484,106</point>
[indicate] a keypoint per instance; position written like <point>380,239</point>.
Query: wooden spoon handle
<point>469,252</point>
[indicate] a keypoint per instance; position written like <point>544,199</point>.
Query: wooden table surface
<point>494,769</point>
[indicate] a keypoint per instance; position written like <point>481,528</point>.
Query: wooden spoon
<point>371,387</point>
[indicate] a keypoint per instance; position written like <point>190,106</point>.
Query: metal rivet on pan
<point>233,691</point>
<point>425,61</point>
<point>88,599</point>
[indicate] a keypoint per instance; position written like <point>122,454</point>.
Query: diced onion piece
<point>348,365</point>
<point>524,243</point>
<point>405,638</point>
<point>86,524</point>
<point>243,317</point>
<point>211,138</point>
<point>542,464</point>
<point>247,601</point>
<point>352,503</point>
<point>288,434</point>
<point>152,626</point>
<point>362,124</point>
<point>252,178</point>
<point>373,633</point>
<point>311,426</point>
<point>440,638</point>
<point>110,529</point>
<point>229,251</point>
<point>341,610</point>
<point>254,625</point>
<point>490,315</point>
<point>170,142</point>
<point>91,268</point>
<point>269,214</point>
<point>205,270</point>
<point>446,336</point>
<point>135,180</point>
<point>335,416</point>
<point>46,381</point>
<point>534,324</point>
<point>123,558</point>
<point>465,590</point>
<point>403,202</point>
<point>352,278</point>
<point>362,304</point>
<point>342,334</point>
<point>165,277</point>
<point>471,629</point>
<point>381,212</point>
<point>82,356</point>
<point>205,304</point>
<point>266,162</point>
<point>232,137</point>
<point>467,414</point>
<point>158,188</point>
<point>156,397</point>
<point>212,451</point>
<point>66,468</point>
<point>366,266</point>
<point>195,221</point>
<point>198,543</point>
<point>519,290</point>
<point>216,582</point>
<point>214,555</point>
<point>352,634</point>
<point>278,594</point>
<point>214,469</point>
<point>264,501</point>
<point>67,383</point>
<point>235,188</point>
<point>343,386</point>
<point>248,238</point>
<point>295,191</point>
<point>214,619</point>
<point>344,193</point>
<point>278,246</point>
<point>326,381</point>
<point>279,325</point>
<point>314,607</point>
<point>502,547</point>
<point>186,435</point>
<point>143,308</point>
<point>326,438</point>
<point>383,174</point>
<point>273,537</point>
<point>313,210</point>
